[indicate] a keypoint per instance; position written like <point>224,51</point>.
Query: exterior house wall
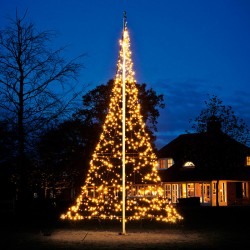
<point>231,193</point>
<point>237,199</point>
<point>193,154</point>
<point>205,192</point>
<point>185,190</point>
<point>248,194</point>
<point>248,190</point>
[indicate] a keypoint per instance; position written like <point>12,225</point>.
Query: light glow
<point>101,195</point>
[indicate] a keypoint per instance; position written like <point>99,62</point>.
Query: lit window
<point>170,162</point>
<point>244,190</point>
<point>189,164</point>
<point>248,161</point>
<point>165,163</point>
<point>161,164</point>
<point>190,190</point>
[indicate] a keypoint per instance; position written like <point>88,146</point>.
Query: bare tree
<point>34,81</point>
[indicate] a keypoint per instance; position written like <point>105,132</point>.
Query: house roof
<point>214,154</point>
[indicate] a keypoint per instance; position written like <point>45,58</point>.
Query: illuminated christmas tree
<point>123,169</point>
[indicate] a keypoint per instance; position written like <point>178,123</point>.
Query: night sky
<point>184,49</point>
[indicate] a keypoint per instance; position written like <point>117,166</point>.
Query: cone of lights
<point>101,195</point>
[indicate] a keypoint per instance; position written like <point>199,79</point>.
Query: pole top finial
<point>124,20</point>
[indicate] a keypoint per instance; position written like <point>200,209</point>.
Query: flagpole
<point>123,129</point>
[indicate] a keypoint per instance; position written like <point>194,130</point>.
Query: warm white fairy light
<point>101,196</point>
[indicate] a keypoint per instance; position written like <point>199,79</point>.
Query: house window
<point>206,192</point>
<point>162,163</point>
<point>168,191</point>
<point>248,161</point>
<point>222,192</point>
<point>244,190</point>
<point>214,188</point>
<point>183,190</point>
<point>165,163</point>
<point>189,164</point>
<point>170,162</point>
<point>190,190</point>
<point>174,193</point>
<point>241,190</point>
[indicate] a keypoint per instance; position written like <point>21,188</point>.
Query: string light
<point>101,195</point>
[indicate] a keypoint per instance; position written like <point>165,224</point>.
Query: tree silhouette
<point>34,79</point>
<point>231,125</point>
<point>96,101</point>
<point>61,159</point>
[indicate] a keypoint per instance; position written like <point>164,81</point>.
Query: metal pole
<point>123,128</point>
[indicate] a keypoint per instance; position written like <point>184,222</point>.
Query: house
<point>211,166</point>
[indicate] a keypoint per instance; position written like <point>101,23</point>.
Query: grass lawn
<point>202,228</point>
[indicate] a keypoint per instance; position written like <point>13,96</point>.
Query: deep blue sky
<point>184,49</point>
